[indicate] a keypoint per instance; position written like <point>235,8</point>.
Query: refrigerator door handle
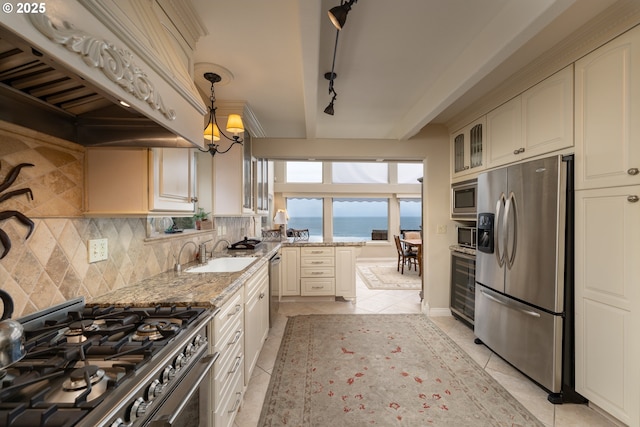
<point>498,230</point>
<point>510,229</point>
<point>506,303</point>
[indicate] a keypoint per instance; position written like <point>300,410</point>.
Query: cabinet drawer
<point>227,346</point>
<point>317,272</point>
<point>224,319</point>
<point>227,370</point>
<point>317,251</point>
<point>326,286</point>
<point>229,403</point>
<point>309,261</point>
<point>255,282</point>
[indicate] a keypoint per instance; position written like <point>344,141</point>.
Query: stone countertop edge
<point>297,243</point>
<point>183,289</point>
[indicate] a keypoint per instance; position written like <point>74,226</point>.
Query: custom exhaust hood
<point>90,88</point>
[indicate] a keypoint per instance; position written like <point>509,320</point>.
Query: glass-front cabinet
<point>467,145</point>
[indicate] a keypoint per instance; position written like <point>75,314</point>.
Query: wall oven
<point>463,200</point>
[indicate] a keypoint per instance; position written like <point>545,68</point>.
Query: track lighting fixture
<point>212,132</point>
<point>330,76</point>
<point>338,14</point>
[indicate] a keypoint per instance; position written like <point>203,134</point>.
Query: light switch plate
<point>98,250</point>
<point>442,229</point>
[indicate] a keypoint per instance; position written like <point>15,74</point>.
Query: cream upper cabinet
<point>539,121</point>
<point>173,178</point>
<point>607,114</point>
<point>608,300</point>
<point>139,181</point>
<point>547,114</point>
<point>468,153</point>
<point>504,129</point>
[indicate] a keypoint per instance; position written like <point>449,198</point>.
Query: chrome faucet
<point>215,245</point>
<point>178,266</point>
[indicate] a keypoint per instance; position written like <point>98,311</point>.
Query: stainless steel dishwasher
<point>274,286</point>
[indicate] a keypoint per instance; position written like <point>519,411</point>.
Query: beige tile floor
<point>370,301</point>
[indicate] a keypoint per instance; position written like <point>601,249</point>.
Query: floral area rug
<point>386,276</point>
<point>381,369</point>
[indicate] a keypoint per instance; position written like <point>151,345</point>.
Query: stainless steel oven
<point>190,402</point>
<point>463,200</point>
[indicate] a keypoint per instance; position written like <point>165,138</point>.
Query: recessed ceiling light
<point>124,104</point>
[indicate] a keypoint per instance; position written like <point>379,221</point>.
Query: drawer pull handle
<point>317,273</point>
<point>235,405</point>
<point>633,171</point>
<point>261,295</point>
<point>317,287</point>
<point>236,338</point>
<point>316,252</point>
<point>633,199</point>
<point>237,310</point>
<point>317,262</point>
<point>236,365</point>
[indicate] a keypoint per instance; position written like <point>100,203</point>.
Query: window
<point>360,219</point>
<point>408,173</point>
<point>360,173</point>
<point>305,213</point>
<point>410,214</point>
<point>304,171</point>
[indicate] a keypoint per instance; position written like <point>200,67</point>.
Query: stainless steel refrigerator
<point>524,273</point>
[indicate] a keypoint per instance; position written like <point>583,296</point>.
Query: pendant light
<point>212,132</point>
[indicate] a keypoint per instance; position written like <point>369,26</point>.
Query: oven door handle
<point>185,390</point>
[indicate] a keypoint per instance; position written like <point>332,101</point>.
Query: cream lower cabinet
<point>227,384</point>
<point>256,318</point>
<point>319,271</point>
<point>290,272</point>
<point>346,271</point>
<point>608,300</point>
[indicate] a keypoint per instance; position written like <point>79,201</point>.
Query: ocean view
<point>351,228</point>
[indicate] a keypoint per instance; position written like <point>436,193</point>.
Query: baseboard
<point>439,312</point>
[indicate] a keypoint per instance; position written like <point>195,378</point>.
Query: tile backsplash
<point>52,265</point>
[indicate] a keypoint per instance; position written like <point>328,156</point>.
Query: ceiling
<point>400,65</point>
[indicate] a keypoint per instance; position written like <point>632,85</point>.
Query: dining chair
<point>404,256</point>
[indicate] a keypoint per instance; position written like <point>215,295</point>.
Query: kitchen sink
<point>223,265</point>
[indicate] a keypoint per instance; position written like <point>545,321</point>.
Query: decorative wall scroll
<point>114,62</point>
<point>8,181</point>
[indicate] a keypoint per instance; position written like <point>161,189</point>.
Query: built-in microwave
<point>467,236</point>
<point>464,196</point>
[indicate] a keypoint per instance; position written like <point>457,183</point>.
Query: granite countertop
<point>296,243</point>
<point>209,290</point>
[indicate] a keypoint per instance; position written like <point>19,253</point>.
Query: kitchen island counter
<point>210,290</point>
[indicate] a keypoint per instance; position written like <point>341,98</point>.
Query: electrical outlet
<point>98,250</point>
<point>442,229</point>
